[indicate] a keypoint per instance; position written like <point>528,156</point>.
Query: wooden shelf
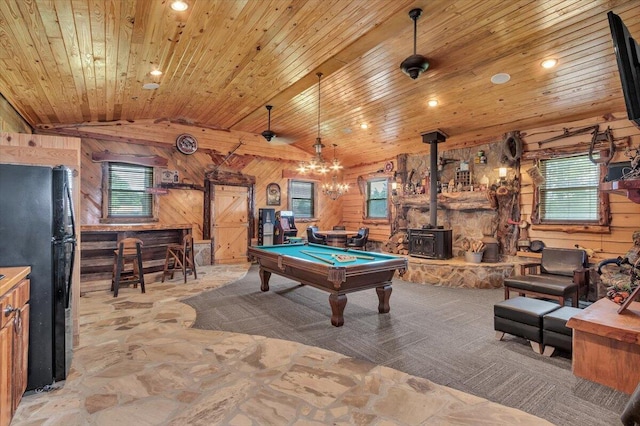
<point>182,186</point>
<point>629,188</point>
<point>466,200</point>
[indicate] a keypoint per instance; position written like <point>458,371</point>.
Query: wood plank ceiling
<point>68,63</point>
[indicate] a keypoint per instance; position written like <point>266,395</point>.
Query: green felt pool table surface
<point>314,265</point>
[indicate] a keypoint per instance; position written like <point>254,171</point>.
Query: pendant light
<point>317,163</point>
<point>415,64</point>
<point>268,134</point>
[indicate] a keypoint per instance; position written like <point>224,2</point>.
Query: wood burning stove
<point>431,243</point>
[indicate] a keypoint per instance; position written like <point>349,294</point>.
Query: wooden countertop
<point>105,227</point>
<point>602,319</point>
<point>13,275</point>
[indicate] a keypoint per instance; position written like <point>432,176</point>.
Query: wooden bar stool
<point>129,250</point>
<point>180,258</point>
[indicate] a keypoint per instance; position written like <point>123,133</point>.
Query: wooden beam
<point>151,160</point>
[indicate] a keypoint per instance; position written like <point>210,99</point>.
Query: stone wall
<point>472,217</point>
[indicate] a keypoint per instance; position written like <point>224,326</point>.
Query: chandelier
<point>318,164</point>
<point>335,189</point>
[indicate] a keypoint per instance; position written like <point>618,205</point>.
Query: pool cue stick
<point>360,256</point>
<point>349,253</point>
<point>330,262</point>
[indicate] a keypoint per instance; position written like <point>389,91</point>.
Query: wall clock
<point>186,144</point>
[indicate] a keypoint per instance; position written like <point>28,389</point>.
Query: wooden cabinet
<point>14,339</point>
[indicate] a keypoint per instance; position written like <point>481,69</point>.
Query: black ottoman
<point>522,317</point>
<point>555,333</point>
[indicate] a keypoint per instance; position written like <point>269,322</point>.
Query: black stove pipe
<point>433,138</point>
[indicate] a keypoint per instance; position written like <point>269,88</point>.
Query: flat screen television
<point>627,54</point>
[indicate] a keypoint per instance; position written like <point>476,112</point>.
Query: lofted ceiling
<point>68,63</point>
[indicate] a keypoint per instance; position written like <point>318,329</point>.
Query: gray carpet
<point>443,334</point>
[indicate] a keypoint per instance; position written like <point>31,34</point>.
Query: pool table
<point>315,265</point>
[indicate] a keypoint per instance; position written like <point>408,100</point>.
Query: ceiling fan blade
<point>282,140</point>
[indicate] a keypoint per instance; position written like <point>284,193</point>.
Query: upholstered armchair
<point>312,237</point>
<point>561,274</point>
<point>359,241</point>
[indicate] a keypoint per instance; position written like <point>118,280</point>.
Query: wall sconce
<point>394,192</point>
<point>502,175</point>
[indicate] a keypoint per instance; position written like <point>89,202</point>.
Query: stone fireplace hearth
<point>457,273</point>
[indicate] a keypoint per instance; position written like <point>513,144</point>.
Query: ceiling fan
<point>270,135</point>
<point>415,64</point>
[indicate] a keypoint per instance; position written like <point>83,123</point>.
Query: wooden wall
<point>187,205</point>
<point>38,150</point>
<point>624,213</point>
<point>10,120</point>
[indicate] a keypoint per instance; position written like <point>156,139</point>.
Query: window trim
<point>315,198</point>
<point>604,213</point>
<point>106,195</point>
<point>365,209</point>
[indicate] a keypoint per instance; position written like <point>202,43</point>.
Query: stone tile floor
<point>139,363</point>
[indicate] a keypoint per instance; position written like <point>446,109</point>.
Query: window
<point>127,194</point>
<point>569,193</point>
<point>377,203</point>
<point>302,198</point>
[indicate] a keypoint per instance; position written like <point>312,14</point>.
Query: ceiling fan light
<point>268,135</point>
<point>414,65</point>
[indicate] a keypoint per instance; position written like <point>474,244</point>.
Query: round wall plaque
<point>186,144</point>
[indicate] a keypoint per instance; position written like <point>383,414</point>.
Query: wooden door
<point>230,224</point>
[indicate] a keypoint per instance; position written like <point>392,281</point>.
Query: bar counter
<point>99,242</point>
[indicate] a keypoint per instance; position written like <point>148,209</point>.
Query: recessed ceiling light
<point>156,72</point>
<point>549,63</point>
<point>500,78</point>
<point>432,103</point>
<point>150,86</point>
<point>179,5</point>
<point>364,126</point>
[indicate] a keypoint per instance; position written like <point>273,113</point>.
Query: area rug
<point>442,334</point>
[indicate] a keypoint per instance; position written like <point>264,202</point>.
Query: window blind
<point>127,190</point>
<point>302,198</point>
<point>570,192</point>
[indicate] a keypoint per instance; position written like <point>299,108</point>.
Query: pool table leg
<point>337,302</point>
<point>264,279</point>
<point>384,294</point>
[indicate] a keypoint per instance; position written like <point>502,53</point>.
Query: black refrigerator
<point>37,229</point>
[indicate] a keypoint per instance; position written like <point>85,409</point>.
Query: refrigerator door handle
<point>70,277</point>
<point>70,200</point>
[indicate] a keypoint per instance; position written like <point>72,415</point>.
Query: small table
<point>606,345</point>
<point>301,262</point>
<point>336,237</point>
